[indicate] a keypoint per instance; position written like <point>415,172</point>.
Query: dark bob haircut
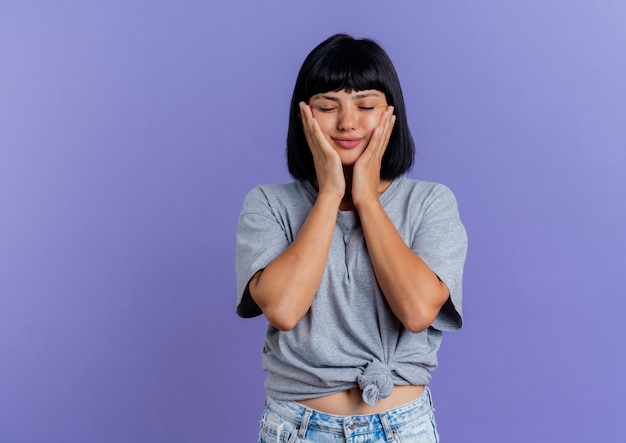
<point>345,63</point>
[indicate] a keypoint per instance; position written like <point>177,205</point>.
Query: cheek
<point>376,116</point>
<point>323,120</point>
<point>326,124</point>
<point>372,122</point>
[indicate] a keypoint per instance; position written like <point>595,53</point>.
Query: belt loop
<point>304,424</point>
<point>386,426</point>
<point>430,398</point>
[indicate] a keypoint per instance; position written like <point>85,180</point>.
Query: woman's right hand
<point>330,177</point>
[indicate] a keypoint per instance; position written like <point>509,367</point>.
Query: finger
<point>387,123</point>
<point>382,133</point>
<point>309,124</point>
<point>314,135</point>
<point>305,116</point>
<point>387,131</point>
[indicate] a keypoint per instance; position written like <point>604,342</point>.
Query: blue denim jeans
<point>291,422</point>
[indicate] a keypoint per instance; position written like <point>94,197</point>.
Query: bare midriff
<point>351,402</point>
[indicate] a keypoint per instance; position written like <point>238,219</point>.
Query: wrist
<point>367,205</point>
<point>329,198</point>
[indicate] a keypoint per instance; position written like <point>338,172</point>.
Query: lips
<point>347,142</point>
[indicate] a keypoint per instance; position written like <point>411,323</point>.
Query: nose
<point>346,120</point>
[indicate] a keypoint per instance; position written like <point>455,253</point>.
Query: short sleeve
<point>441,241</point>
<point>261,237</point>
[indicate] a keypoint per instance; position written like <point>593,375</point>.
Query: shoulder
<point>270,194</point>
<point>424,192</point>
<point>280,201</point>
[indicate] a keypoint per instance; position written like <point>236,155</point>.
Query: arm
<point>413,291</point>
<point>285,289</point>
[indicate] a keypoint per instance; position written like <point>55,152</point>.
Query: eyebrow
<point>357,96</point>
<point>367,94</point>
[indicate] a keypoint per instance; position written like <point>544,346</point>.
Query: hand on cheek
<point>328,168</point>
<point>366,174</point>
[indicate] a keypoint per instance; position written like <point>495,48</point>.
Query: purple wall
<point>130,132</point>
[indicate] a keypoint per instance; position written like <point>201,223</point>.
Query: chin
<point>348,163</point>
<point>349,158</point>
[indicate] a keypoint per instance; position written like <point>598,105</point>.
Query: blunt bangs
<point>345,63</point>
<point>347,68</point>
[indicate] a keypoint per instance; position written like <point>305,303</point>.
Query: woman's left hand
<point>366,172</point>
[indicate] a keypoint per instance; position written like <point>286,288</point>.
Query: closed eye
<point>321,109</point>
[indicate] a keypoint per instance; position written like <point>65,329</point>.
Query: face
<point>348,119</point>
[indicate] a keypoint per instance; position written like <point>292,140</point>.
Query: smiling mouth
<point>347,142</point>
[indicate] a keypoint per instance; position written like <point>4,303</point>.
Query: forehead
<point>348,95</point>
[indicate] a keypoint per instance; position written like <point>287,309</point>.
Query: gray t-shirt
<point>350,337</point>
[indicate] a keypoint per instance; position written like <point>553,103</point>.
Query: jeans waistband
<point>305,418</point>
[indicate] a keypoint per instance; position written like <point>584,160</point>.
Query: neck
<point>346,202</point>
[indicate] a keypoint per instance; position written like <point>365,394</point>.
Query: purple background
<point>130,132</point>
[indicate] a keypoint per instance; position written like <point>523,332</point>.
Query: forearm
<point>285,289</point>
<point>413,291</point>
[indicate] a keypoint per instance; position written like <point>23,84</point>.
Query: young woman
<point>357,268</point>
